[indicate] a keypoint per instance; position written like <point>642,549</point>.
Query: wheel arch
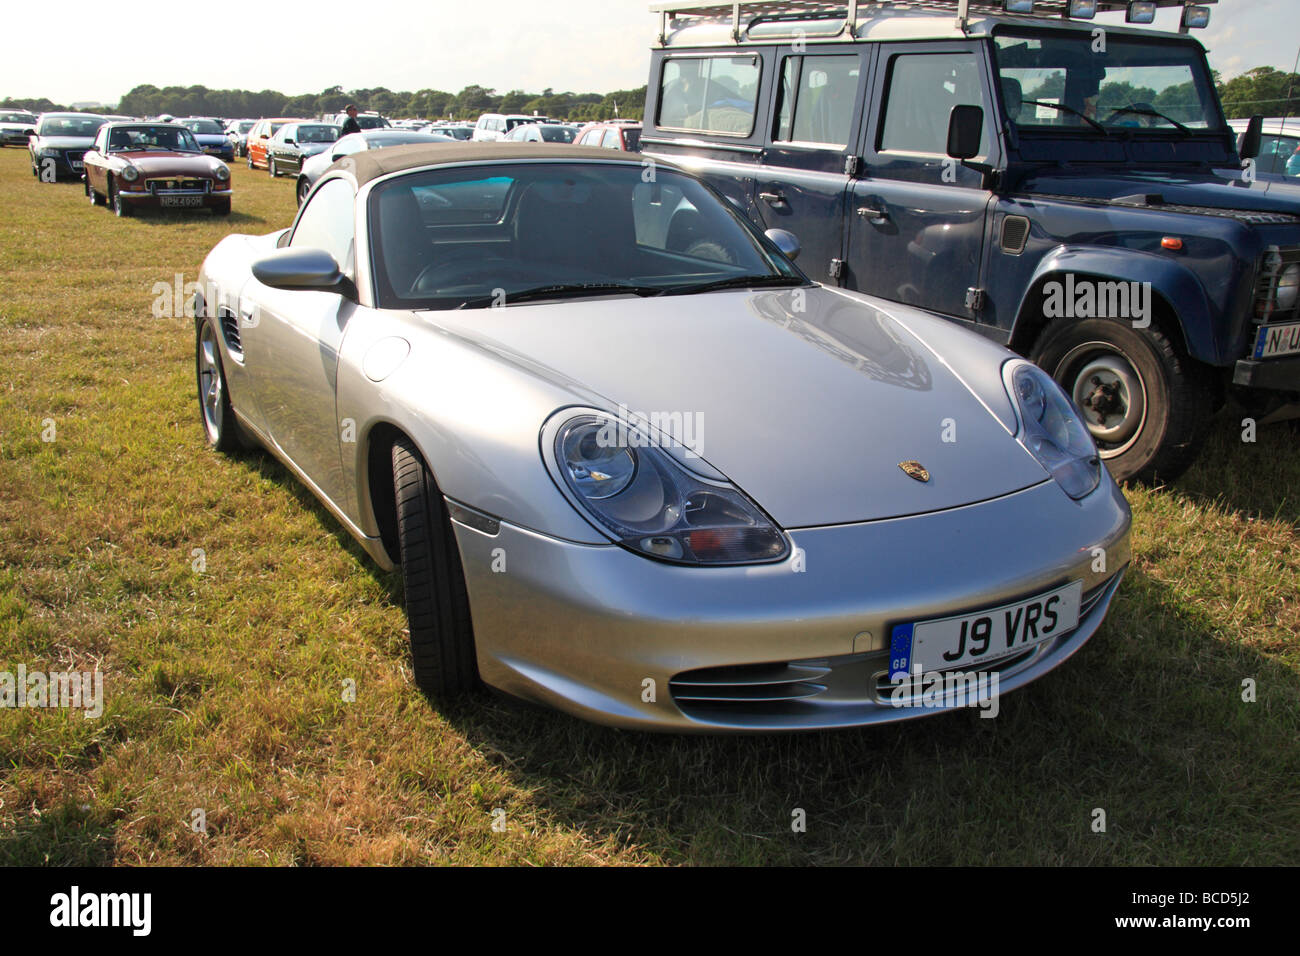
<point>1180,308</point>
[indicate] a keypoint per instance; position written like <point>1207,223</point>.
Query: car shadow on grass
<point>63,836</point>
<point>1261,479</point>
<point>1146,724</point>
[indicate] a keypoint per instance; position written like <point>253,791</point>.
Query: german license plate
<point>955,642</point>
<point>1273,340</point>
<point>181,200</point>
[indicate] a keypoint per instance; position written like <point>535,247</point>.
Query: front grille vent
<point>747,684</point>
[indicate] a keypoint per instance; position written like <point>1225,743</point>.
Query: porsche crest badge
<point>914,469</point>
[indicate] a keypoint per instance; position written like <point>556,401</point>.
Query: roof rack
<point>750,12</point>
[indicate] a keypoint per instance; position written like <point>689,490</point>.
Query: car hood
<point>65,142</point>
<point>808,399</point>
<point>1184,189</point>
<point>166,162</point>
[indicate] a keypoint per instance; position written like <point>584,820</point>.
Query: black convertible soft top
<point>374,163</point>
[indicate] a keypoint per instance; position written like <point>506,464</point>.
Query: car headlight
<point>650,503</point>
<point>223,173</point>
<point>1051,428</point>
<point>130,173</point>
<point>1288,285</point>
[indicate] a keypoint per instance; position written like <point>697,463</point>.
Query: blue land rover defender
<point>1065,186</point>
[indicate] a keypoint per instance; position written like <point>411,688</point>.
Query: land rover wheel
<point>1146,405</point>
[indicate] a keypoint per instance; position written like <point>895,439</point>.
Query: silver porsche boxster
<point>635,465</point>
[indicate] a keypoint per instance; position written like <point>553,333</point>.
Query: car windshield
<point>372,122</point>
<point>1052,80</point>
<point>632,137</point>
<point>474,237</point>
<point>161,137</point>
<point>202,126</point>
<point>317,134</point>
<point>16,118</point>
<point>70,126</point>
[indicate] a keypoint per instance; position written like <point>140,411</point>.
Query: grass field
<point>223,687</point>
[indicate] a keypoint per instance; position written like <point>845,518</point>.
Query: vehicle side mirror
<point>786,241</point>
<point>965,131</point>
<point>288,141</point>
<point>299,268</point>
<point>965,126</point>
<point>1248,143</point>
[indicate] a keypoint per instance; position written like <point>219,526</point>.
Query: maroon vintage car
<point>154,164</point>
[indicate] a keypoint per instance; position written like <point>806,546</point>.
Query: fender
<point>1170,280</point>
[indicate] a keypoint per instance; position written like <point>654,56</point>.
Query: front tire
<point>437,605</point>
<point>1146,404</point>
<point>304,188</point>
<point>121,208</point>
<point>220,429</point>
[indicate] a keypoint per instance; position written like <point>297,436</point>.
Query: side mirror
<point>786,241</point>
<point>1248,143</point>
<point>295,268</point>
<point>965,126</point>
<point>288,141</point>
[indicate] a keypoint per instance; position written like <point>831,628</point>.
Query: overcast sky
<point>79,51</point>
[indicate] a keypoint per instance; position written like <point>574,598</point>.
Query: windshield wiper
<point>1146,111</point>
<point>561,291</point>
<point>732,282</point>
<point>1071,110</point>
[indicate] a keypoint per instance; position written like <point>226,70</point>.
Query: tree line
<point>1263,90</point>
<point>149,100</point>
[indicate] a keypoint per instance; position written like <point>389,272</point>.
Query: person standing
<point>350,125</point>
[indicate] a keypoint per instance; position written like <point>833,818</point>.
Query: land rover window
<point>923,89</point>
<point>1059,82</point>
<point>817,96</point>
<point>709,94</point>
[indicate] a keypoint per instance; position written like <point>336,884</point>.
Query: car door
<point>291,345</point>
<point>802,182</point>
<point>917,219</point>
<point>94,162</point>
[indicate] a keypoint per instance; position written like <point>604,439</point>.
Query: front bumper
<point>1282,374</point>
<point>207,200</point>
<point>601,633</point>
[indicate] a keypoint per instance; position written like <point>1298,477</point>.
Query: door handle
<point>873,215</point>
<point>772,199</point>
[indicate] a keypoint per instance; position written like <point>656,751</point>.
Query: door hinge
<point>974,299</point>
<point>850,165</point>
<point>836,269</point>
